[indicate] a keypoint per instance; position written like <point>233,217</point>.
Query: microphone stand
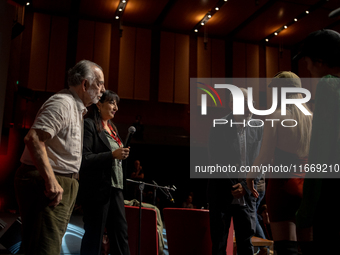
<point>141,188</point>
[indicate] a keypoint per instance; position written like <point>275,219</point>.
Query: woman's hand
<point>121,153</point>
<point>250,184</point>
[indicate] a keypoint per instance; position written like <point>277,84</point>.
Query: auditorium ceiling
<point>252,21</point>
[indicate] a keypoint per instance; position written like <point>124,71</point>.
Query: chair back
<point>149,236</point>
<point>188,232</point>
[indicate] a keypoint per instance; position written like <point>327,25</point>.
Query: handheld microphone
<point>131,131</point>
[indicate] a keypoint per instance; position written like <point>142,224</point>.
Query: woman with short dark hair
<point>102,179</point>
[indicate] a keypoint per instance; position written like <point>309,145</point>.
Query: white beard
<point>93,96</point>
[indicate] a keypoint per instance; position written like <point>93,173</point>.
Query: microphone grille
<point>132,129</point>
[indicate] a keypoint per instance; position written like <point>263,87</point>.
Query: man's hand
<point>251,187</point>
<point>238,191</point>
<point>53,191</point>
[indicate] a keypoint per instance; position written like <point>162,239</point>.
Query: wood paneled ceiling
<point>244,20</point>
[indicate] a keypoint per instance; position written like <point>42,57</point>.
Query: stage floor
<point>72,238</point>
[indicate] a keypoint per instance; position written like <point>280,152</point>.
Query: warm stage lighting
<point>120,9</point>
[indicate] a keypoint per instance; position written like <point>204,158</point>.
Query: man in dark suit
<point>235,145</point>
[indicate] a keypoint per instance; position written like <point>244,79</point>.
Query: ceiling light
<point>295,19</point>
<point>307,12</point>
<point>124,1</point>
<point>117,17</point>
<point>202,23</point>
<point>28,3</point>
<point>267,39</point>
<point>196,30</point>
<point>209,16</point>
<point>275,33</point>
<point>217,8</point>
<point>120,9</point>
<point>285,27</point>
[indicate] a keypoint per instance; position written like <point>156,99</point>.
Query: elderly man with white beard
<point>46,183</point>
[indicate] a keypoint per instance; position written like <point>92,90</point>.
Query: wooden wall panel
<point>272,61</point>
<point>166,67</point>
<point>203,58</point>
<point>218,58</point>
<point>239,64</point>
<point>101,49</point>
<point>85,42</point>
<point>253,70</point>
<point>239,59</point>
<point>272,68</point>
<point>39,52</point>
<point>218,64</point>
<point>57,54</point>
<point>252,61</point>
<point>142,64</point>
<point>285,60</point>
<point>127,63</point>
<point>181,93</point>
